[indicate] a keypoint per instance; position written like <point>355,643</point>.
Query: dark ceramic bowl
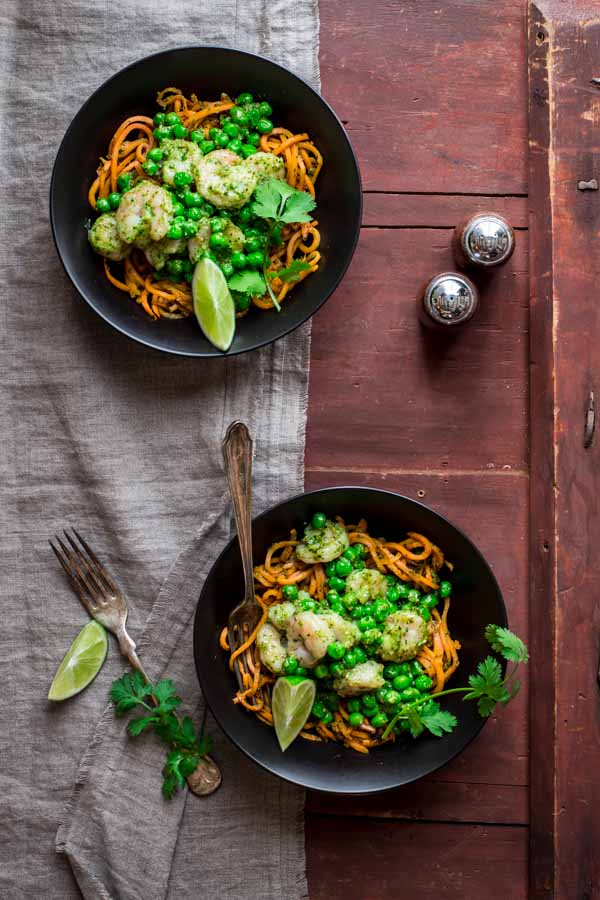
<point>207,71</point>
<point>331,767</point>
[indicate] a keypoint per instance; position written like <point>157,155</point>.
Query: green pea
<point>350,659</point>
<point>194,214</point>
<point>175,232</point>
<point>218,241</point>
<point>429,600</point>
<point>235,145</point>
<point>253,139</point>
<point>247,150</point>
<point>150,167</point>
<point>359,565</point>
<point>401,682</point>
<point>242,302</point>
<point>238,116</point>
<point>343,567</point>
<point>172,118</point>
<point>336,669</point>
<point>222,140</point>
<point>382,693</point>
<point>353,704</point>
<point>336,650</point>
<point>338,608</point>
<point>290,665</point>
<point>179,220</point>
<point>424,613</point>
<point>239,260</point>
<point>245,214</point>
<point>175,266</point>
<point>391,670</point>
<point>413,596</point>
<point>379,720</point>
<point>366,623</point>
<point>159,118</point>
<point>337,584</point>
<point>327,718</point>
<point>423,683</point>
<point>290,591</point>
<point>181,179</point>
<point>301,670</point>
<point>393,594</point>
<point>321,671</point>
<point>332,597</point>
<point>244,98</point>
<point>393,698</point>
<point>254,245</point>
<point>264,126</point>
<point>256,260</point>
<point>162,133</point>
<point>363,551</point>
<point>155,154</point>
<point>368,701</point>
<point>365,610</point>
<point>178,210</point>
<point>318,710</point>
<point>207,209</point>
<point>216,225</point>
<point>189,228</point>
<point>350,601</point>
<point>114,199</point>
<point>372,636</point>
<point>265,109</point>
<point>319,520</point>
<point>190,199</point>
<point>355,720</point>
<point>230,129</point>
<point>210,255</point>
<point>445,589</point>
<point>309,605</point>
<point>415,667</point>
<point>207,146</point>
<point>187,267</point>
<point>102,205</point>
<point>330,569</point>
<point>361,656</point>
<point>403,591</point>
<point>125,181</point>
<point>381,610</point>
<point>228,272</point>
<point>197,137</point>
<point>405,668</point>
<point>409,693</point>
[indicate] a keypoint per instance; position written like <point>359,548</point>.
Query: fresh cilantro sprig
<point>160,701</point>
<point>280,204</point>
<point>487,686</point>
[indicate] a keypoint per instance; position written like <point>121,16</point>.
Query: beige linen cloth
<point>123,443</point>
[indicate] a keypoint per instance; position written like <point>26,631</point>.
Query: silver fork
<point>105,602</point>
<point>237,454</point>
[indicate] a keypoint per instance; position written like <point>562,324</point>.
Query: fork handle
<point>127,648</point>
<point>237,455</point>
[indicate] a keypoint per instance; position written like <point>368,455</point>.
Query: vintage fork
<point>105,602</point>
<point>237,454</point>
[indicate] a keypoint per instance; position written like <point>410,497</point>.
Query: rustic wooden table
<point>434,96</point>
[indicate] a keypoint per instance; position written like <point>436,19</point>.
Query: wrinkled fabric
<point>123,443</point>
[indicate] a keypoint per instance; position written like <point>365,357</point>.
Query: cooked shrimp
<point>368,584</point>
<point>224,181</point>
<point>270,647</point>
<point>310,634</point>
<point>180,156</point>
<point>404,634</point>
<point>200,242</point>
<point>367,676</point>
<point>280,614</point>
<point>265,165</point>
<point>158,252</point>
<point>144,214</point>
<point>105,239</point>
<point>322,544</point>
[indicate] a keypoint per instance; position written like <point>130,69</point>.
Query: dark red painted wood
<point>362,859</point>
<point>384,392</point>
<point>433,92</point>
<point>383,210</point>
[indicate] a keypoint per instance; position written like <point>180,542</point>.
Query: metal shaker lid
<point>450,298</point>
<point>487,240</point>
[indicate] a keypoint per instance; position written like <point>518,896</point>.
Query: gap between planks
<point>484,823</point>
<point>384,470</point>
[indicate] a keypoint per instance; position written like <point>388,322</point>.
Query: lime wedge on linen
<point>82,662</point>
<point>291,703</point>
<point>213,303</point>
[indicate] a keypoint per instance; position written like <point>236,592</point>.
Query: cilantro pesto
<point>366,621</point>
<point>206,179</point>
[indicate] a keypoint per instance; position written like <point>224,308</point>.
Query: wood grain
<point>433,94</point>
<point>383,210</point>
<point>565,115</point>
<point>386,392</point>
<point>358,859</point>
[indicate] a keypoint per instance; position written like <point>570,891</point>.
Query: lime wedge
<point>213,303</point>
<point>82,662</point>
<point>291,703</point>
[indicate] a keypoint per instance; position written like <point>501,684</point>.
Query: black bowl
<point>207,71</point>
<point>477,601</point>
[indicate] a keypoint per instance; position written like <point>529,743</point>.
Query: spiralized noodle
<point>127,152</point>
<point>415,561</point>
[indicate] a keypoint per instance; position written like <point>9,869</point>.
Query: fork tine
<point>89,567</point>
<point>99,567</point>
<point>233,645</point>
<point>75,562</point>
<point>79,586</point>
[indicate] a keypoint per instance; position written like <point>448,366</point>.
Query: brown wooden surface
<point>564,47</point>
<point>434,98</point>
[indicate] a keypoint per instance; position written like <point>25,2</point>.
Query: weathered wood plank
<point>386,392</point>
<point>434,94</point>
<point>433,800</point>
<point>493,511</point>
<point>565,140</point>
<point>360,859</point>
<point>384,210</point>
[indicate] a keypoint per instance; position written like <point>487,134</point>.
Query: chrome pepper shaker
<point>483,241</point>
<point>448,300</point>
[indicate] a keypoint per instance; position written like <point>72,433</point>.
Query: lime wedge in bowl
<point>82,662</point>
<point>213,303</point>
<point>291,703</point>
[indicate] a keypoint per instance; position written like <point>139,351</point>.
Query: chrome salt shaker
<point>483,241</point>
<point>448,300</point>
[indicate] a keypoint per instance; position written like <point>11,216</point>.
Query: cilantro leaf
<point>129,691</point>
<point>136,726</point>
<point>292,272</point>
<point>415,722</point>
<point>248,283</point>
<point>506,643</point>
<point>487,686</point>
<point>165,696</point>
<point>277,200</point>
<point>437,720</point>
